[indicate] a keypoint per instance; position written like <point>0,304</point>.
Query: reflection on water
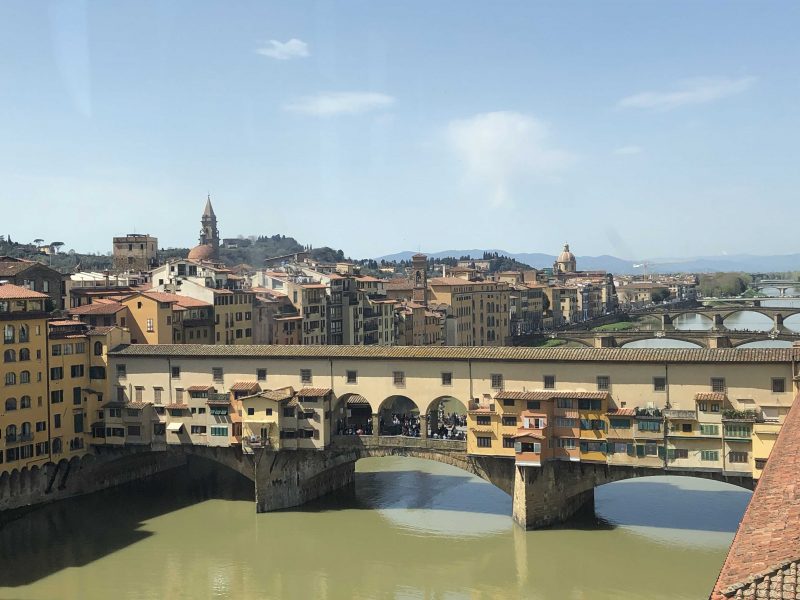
<point>409,529</point>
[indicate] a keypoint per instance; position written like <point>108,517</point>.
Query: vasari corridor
<point>399,301</point>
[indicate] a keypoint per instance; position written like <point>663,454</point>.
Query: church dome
<point>201,252</point>
<point>566,256</point>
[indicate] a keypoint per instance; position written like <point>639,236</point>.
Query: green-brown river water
<point>409,529</point>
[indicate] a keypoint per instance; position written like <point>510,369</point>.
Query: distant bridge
<point>782,285</point>
<point>704,339</point>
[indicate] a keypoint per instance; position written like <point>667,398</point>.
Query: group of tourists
<point>401,424</point>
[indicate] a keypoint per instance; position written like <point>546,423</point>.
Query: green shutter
<point>610,449</point>
<point>661,452</point>
<point>671,454</point>
<point>640,450</point>
<point>631,450</point>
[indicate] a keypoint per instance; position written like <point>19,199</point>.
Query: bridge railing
<point>392,441</point>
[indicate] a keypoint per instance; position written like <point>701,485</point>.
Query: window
<point>216,374</point>
<point>738,457</point>
<point>447,378</point>
<point>509,421</point>
<point>9,334</point>
<point>566,422</point>
<point>709,455</point>
<point>121,394</point>
<point>761,463</point>
<point>507,402</point>
<point>25,377</point>
<point>288,411</point>
<point>686,428</point>
<point>24,354</point>
<point>709,429</point>
<point>678,453</point>
<point>77,422</point>
<point>497,381</point>
<point>176,372</point>
<point>508,442</point>
<point>644,425</point>
<point>305,375</point>
<point>715,407</point>
<point>778,384</point>
<point>98,348</point>
<point>115,412</point>
<point>25,402</point>
<point>533,404</point>
<point>484,442</point>
<point>736,430</point>
<point>122,371</point>
<point>651,450</point>
<point>566,443</point>
<point>603,383</point>
<point>56,350</point>
<point>549,382</point>
<point>352,376</point>
<point>620,423</point>
<point>219,431</point>
<point>197,429</point>
<point>76,395</point>
<point>11,404</point>
<point>11,379</point>
<point>483,420</point>
<point>268,412</point>
<point>261,374</point>
<point>97,372</point>
<point>76,371</point>
<point>399,378</point>
<point>564,403</point>
<point>9,356</point>
<point>56,396</point>
<point>702,406</point>
<point>56,373</point>
<point>56,421</point>
<point>251,411</point>
<point>67,349</point>
<point>659,384</point>
<point>717,384</point>
<point>590,404</point>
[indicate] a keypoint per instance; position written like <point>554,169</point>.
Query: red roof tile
<point>245,386</point>
<point>9,291</point>
<point>311,392</point>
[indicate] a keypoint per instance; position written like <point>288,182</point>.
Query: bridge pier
<point>777,321</point>
<point>719,323</point>
<point>666,323</point>
<point>547,495</point>
<point>289,479</point>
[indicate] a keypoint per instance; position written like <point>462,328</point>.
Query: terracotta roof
<point>100,330</point>
<point>9,291</point>
<point>449,281</point>
<point>532,413</point>
<point>245,386</point>
<point>277,395</point>
<point>184,301</point>
<point>97,308</point>
<point>713,396</point>
<point>768,538</point>
<point>219,402</point>
<point>504,353</point>
<point>549,395</point>
<point>200,388</point>
<point>525,433</point>
<point>176,406</point>
<point>312,392</point>
<point>621,412</point>
<point>137,405</point>
<point>66,323</point>
<point>357,400</point>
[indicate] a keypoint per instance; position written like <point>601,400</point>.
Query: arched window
<point>9,356</point>
<point>11,378</point>
<point>11,433</point>
<point>25,377</point>
<point>25,402</point>
<point>25,430</point>
<point>24,354</point>
<point>23,333</point>
<point>8,334</point>
<point>98,348</point>
<point>57,446</point>
<point>11,404</point>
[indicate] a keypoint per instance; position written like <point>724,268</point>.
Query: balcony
<point>214,398</point>
<point>739,415</point>
<point>685,415</point>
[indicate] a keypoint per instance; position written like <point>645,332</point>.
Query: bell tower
<point>419,274</point>
<point>209,234</point>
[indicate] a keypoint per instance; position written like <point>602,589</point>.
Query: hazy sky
<point>640,129</point>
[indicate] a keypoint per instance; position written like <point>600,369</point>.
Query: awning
<point>176,427</point>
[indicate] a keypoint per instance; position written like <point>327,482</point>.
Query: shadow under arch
<point>670,342</point>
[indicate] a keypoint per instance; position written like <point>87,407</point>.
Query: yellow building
<point>24,428</point>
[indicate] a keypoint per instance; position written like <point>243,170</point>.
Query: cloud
<point>627,150</point>
<point>690,91</point>
<point>503,148</point>
<point>339,103</point>
<point>294,48</point>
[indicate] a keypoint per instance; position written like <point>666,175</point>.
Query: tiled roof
<point>313,392</point>
<point>66,323</point>
<point>100,330</point>
<point>621,412</point>
<point>505,353</point>
<point>176,406</point>
<point>549,395</point>
<point>245,386</point>
<point>357,399</point>
<point>277,395</point>
<point>97,308</point>
<point>9,291</point>
<point>449,281</point>
<point>180,300</point>
<point>769,534</point>
<point>523,433</point>
<point>200,388</point>
<point>712,396</point>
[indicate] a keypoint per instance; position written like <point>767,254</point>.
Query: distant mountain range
<point>698,264</point>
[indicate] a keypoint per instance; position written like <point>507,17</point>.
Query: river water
<point>408,529</point>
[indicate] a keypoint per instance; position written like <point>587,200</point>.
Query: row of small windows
<point>78,348</point>
<point>11,336</point>
<point>24,402</point>
<point>24,377</point>
<point>11,355</point>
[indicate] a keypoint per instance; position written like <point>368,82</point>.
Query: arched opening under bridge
<point>399,415</point>
<point>352,415</point>
<point>447,419</point>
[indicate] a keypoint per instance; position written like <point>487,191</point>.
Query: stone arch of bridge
<point>351,412</point>
<point>704,314</point>
<point>584,341</point>
<point>768,313</point>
